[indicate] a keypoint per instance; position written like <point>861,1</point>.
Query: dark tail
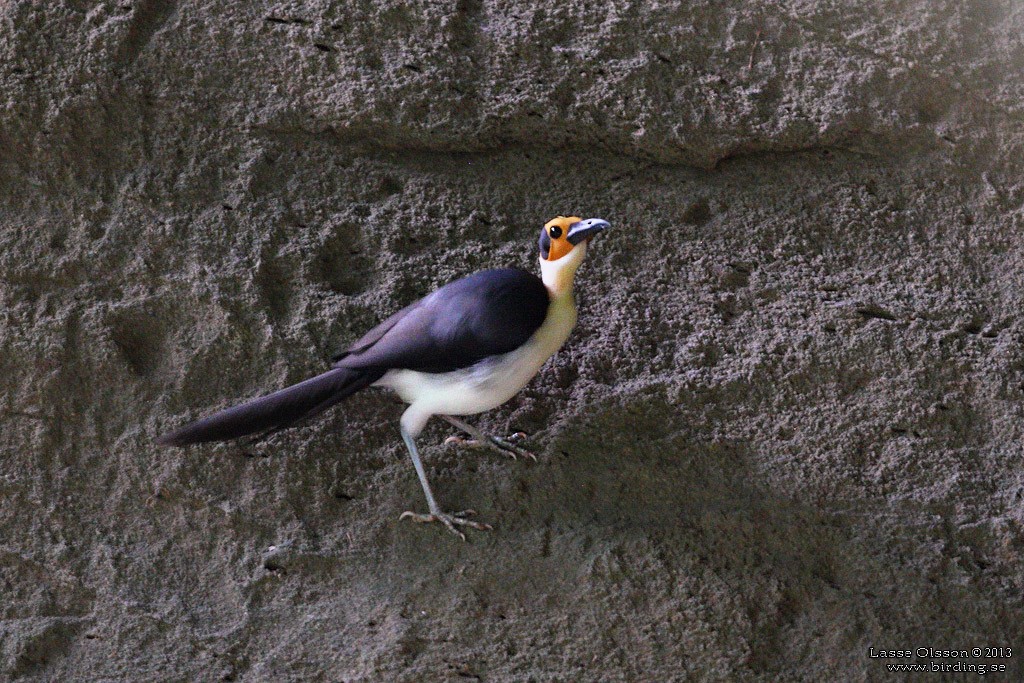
<point>277,411</point>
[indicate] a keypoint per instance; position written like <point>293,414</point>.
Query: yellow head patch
<point>554,238</point>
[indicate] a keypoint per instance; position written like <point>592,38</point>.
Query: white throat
<point>558,275</point>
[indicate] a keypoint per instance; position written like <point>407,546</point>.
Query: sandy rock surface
<point>788,428</point>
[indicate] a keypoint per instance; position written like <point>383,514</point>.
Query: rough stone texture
<point>789,425</point>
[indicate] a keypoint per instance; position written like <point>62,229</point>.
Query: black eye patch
<point>556,232</point>
<point>545,245</point>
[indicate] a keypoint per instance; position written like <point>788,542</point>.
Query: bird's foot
<point>451,520</point>
<point>505,447</point>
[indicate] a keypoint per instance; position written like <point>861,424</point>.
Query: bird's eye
<point>555,232</point>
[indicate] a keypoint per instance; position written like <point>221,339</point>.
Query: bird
<point>466,348</point>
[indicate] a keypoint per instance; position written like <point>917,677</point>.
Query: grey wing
<point>486,314</point>
<point>374,335</point>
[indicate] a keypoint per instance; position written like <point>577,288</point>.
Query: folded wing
<point>486,314</point>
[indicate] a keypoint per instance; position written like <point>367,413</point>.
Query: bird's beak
<point>585,229</point>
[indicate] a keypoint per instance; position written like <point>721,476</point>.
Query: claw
<point>511,449</point>
<point>502,446</point>
<point>450,520</point>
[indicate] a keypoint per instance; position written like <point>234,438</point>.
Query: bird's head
<point>563,244</point>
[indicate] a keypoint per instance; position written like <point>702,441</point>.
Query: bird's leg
<point>450,520</point>
<point>481,440</point>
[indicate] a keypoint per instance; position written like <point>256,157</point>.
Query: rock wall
<point>787,429</point>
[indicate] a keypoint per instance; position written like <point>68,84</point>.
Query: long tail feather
<point>276,411</point>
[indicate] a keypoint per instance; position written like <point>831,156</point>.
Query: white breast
<point>490,382</point>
